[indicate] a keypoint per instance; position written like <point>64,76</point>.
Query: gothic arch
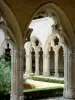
<point>50,41</point>
<point>8,32</point>
<point>34,39</point>
<point>4,45</point>
<point>61,61</point>
<point>11,21</point>
<point>61,17</point>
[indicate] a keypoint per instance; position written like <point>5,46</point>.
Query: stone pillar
<point>36,63</point>
<point>69,74</point>
<point>17,64</point>
<point>28,58</point>
<point>56,64</point>
<point>28,62</point>
<point>46,67</point>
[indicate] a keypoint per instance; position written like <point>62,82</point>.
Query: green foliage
<point>5,76</point>
<point>43,92</point>
<point>47,79</point>
<point>43,89</point>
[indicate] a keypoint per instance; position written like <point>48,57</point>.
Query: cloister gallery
<point>42,58</point>
<point>51,56</point>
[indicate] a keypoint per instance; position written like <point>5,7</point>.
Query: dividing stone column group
<point>46,67</point>
<point>69,74</point>
<point>17,64</point>
<point>28,62</point>
<point>56,63</point>
<point>36,62</point>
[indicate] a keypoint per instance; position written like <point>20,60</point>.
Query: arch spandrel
<point>33,41</point>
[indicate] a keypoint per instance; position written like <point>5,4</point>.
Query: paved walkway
<point>40,84</point>
<point>55,98</point>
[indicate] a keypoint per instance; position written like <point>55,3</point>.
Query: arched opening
<point>41,62</point>
<point>24,61</point>
<point>5,63</point>
<point>62,19</point>
<point>11,27</point>
<point>33,60</point>
<point>61,62</point>
<point>52,62</point>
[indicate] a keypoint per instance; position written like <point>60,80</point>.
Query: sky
<point>42,28</point>
<point>1,36</point>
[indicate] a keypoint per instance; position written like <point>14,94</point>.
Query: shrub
<point>43,92</point>
<point>5,76</point>
<point>28,86</point>
<point>47,79</point>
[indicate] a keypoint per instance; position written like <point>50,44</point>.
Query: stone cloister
<point>61,43</point>
<point>50,64</point>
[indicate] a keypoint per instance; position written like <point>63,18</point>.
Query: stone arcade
<point>46,67</point>
<point>17,16</point>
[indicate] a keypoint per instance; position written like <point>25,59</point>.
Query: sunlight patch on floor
<point>40,84</point>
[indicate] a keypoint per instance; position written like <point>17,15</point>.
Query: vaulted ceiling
<point>23,9</point>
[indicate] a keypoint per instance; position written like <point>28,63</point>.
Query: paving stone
<point>55,98</point>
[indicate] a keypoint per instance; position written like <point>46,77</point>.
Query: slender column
<point>69,74</point>
<point>46,69</point>
<point>36,63</point>
<point>56,64</point>
<point>28,62</point>
<point>17,64</point>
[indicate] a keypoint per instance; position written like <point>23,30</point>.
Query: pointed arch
<point>9,16</point>
<point>9,33</point>
<point>61,17</point>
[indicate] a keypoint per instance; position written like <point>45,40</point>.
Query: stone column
<point>69,74</point>
<point>56,64</point>
<point>36,63</point>
<point>28,62</point>
<point>17,64</point>
<point>46,67</point>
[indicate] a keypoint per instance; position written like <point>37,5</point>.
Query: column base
<point>69,94</point>
<point>36,73</point>
<point>65,99</point>
<point>56,75</point>
<point>21,97</point>
<point>46,74</point>
<point>28,72</point>
<point>16,97</point>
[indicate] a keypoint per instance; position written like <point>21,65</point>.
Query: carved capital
<point>19,52</point>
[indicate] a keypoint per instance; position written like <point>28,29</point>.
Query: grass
<point>33,94</point>
<point>47,79</point>
<point>43,89</point>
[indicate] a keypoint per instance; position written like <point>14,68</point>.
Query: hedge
<point>47,79</point>
<point>43,92</point>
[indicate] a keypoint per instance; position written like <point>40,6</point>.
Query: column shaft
<point>28,63</point>
<point>46,67</point>
<point>36,63</point>
<point>56,64</point>
<point>69,75</point>
<point>17,64</point>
